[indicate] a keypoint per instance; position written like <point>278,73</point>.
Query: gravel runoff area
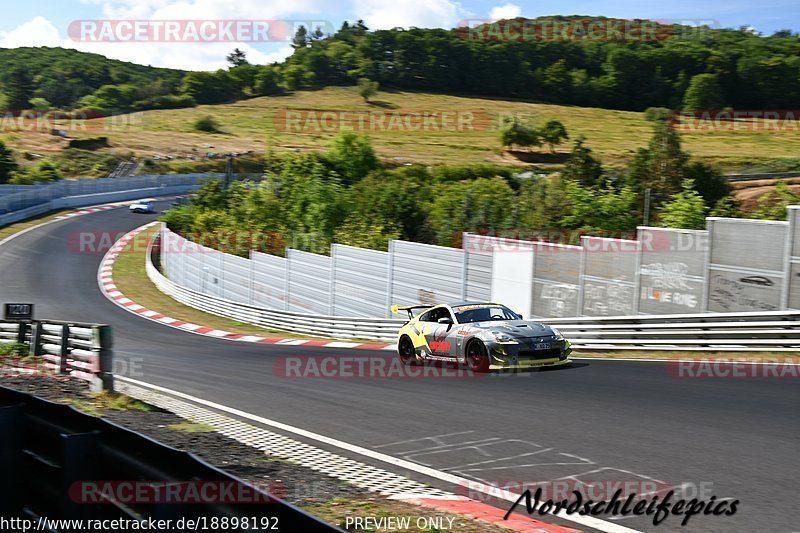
<point>321,495</point>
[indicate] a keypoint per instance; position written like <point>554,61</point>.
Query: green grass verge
<point>192,427</point>
<point>131,280</point>
<point>96,403</point>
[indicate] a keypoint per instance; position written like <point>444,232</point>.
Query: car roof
<point>459,304</point>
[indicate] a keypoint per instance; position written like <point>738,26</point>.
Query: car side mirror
<point>445,320</point>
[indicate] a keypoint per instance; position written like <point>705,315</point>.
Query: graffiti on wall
<point>731,291</point>
<point>607,298</point>
<point>558,300</point>
<point>668,283</point>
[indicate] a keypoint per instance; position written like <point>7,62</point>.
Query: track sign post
<point>20,312</point>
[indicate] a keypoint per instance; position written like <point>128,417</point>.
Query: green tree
<point>686,210</point>
<point>773,204</point>
<point>42,172</point>
<point>300,39</point>
<point>398,197</point>
<point>313,202</point>
<point>553,133</point>
<point>541,202</point>
<point>516,133</point>
<point>481,204</point>
<point>727,206</point>
<point>365,233</point>
<point>704,92</point>
<point>367,88</point>
<point>582,167</point>
<point>211,87</point>
<point>599,209</point>
<point>661,166</point>
<point>40,104</point>
<point>353,156</point>
<point>8,165</point>
<point>207,124</point>
<point>557,80</point>
<point>237,58</point>
<point>267,81</point>
<point>708,182</point>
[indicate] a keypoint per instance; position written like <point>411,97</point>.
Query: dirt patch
<point>749,196</point>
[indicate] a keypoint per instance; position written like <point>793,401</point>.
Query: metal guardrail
<point>761,176</point>
<point>317,325</point>
<point>768,331</point>
<point>50,453</point>
<point>79,350</point>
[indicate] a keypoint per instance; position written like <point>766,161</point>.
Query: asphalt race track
<point>602,420</point>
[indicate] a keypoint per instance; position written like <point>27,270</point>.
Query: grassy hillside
<point>255,124</point>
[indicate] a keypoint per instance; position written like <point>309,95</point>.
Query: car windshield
<point>484,313</point>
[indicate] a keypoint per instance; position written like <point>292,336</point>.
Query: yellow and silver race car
<point>483,336</point>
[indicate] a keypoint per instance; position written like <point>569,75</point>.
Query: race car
<point>141,206</point>
<point>483,336</point>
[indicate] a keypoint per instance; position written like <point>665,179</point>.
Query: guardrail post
<point>62,361</point>
<point>22,332</point>
<point>102,341</point>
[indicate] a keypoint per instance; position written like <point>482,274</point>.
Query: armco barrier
<point>68,348</point>
<point>61,464</point>
<point>33,201</point>
<point>695,332</point>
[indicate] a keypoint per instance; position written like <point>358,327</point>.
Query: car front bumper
<point>521,355</point>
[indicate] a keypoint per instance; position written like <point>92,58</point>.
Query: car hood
<point>517,328</point>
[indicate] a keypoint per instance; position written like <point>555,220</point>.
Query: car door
<point>440,336</point>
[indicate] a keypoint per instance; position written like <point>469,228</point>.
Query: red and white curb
<point>105,207</point>
<point>109,289</point>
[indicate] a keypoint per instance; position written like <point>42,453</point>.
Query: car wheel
<point>406,352</point>
<point>477,357</point>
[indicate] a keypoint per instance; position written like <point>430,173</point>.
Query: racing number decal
<point>439,343</point>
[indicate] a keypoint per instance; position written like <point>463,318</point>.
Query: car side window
<point>425,317</point>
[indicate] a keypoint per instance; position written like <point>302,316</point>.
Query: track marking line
<point>457,481</point>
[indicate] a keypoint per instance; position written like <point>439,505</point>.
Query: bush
<point>167,101</point>
<point>89,143</point>
<point>207,124</point>
<point>14,349</point>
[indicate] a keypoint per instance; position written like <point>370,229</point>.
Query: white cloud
<point>506,12</point>
<point>211,9</point>
<point>36,32</point>
<point>384,14</point>
<point>189,56</point>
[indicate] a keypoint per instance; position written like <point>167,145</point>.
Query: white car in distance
<point>141,206</point>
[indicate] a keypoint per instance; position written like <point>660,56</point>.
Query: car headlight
<point>499,336</point>
<point>557,333</point>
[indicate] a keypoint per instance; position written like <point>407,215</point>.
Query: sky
<point>49,22</point>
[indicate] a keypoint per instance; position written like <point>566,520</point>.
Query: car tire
<point>477,357</point>
<point>406,352</point>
